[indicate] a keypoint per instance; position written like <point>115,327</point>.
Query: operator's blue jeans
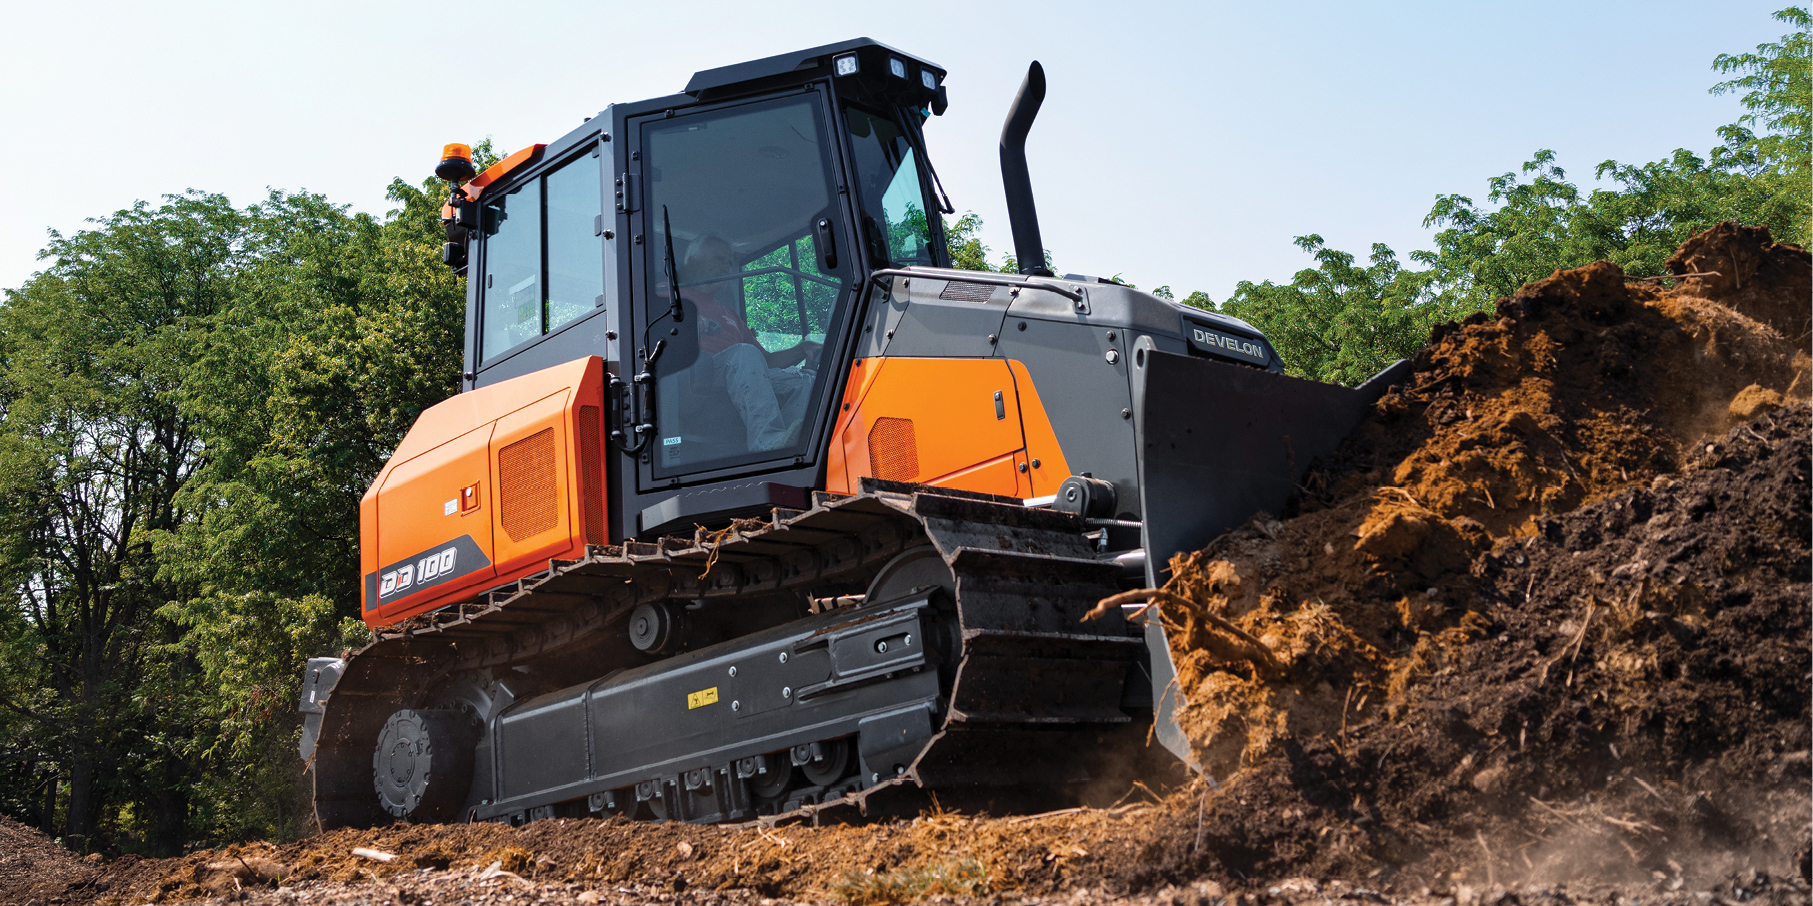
<point>771,400</point>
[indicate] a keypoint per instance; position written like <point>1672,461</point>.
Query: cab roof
<point>806,62</point>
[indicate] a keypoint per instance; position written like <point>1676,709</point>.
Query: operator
<point>768,393</point>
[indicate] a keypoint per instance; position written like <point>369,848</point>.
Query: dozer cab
<point>750,504</point>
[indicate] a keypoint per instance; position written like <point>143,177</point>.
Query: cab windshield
<point>894,223</point>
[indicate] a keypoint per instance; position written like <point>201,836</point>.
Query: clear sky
<point>1180,143</point>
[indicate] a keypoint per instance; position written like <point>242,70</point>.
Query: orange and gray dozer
<point>751,503</point>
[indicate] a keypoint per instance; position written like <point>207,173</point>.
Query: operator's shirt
<point>719,326</point>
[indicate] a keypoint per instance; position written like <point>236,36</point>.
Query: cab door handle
<point>827,244</point>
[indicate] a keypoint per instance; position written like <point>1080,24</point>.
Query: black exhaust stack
<point>1029,249</point>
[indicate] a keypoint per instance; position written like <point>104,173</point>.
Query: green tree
<point>1340,322</point>
<point>194,399</point>
<point>964,240</point>
<point>345,338</point>
<point>95,447</point>
<point>1546,223</point>
<point>1777,92</point>
<point>965,243</point>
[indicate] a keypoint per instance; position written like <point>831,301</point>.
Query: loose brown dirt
<point>1545,615</point>
<point>1541,635</point>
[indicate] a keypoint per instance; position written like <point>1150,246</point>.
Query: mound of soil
<point>31,862</point>
<point>1741,269</point>
<point>1537,633</point>
<point>1629,698</point>
<point>1528,586</point>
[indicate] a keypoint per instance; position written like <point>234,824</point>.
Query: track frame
<point>1027,700</point>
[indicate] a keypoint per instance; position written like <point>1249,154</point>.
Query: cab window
<point>894,223</point>
<point>544,262</point>
<point>512,289</point>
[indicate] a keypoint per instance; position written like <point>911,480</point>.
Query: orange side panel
<point>422,486</point>
<point>850,439</point>
<point>1049,469</point>
<point>531,482</point>
<point>1000,475</point>
<point>497,170</point>
<point>933,421</point>
<point>516,446</point>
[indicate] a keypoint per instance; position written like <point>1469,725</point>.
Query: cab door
<point>741,214</point>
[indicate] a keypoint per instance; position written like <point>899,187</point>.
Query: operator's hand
<point>809,352</point>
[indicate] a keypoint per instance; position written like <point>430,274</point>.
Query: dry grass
<point>955,876</point>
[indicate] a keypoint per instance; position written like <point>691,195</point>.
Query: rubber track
<point>1031,691</point>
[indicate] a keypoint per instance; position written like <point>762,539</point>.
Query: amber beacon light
<point>456,163</point>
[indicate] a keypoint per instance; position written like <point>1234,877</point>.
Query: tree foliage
<point>964,240</point>
<point>1338,322</point>
<point>95,449</point>
<point>1776,81</point>
<point>196,397</point>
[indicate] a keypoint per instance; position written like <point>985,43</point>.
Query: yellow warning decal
<point>702,698</point>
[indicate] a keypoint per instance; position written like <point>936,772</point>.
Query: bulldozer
<point>751,505</point>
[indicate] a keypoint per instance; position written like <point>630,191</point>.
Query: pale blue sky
<point>1181,143</point>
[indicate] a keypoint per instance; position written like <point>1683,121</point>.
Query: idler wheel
<point>911,569</point>
<point>422,767</point>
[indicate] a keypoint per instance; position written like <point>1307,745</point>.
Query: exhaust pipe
<point>1029,249</point>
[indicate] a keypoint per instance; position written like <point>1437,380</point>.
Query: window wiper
<point>944,201</point>
<point>673,275</point>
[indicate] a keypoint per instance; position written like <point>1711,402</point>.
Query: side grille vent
<point>527,499</point>
<point>893,451</point>
<point>959,291</point>
<point>591,474</point>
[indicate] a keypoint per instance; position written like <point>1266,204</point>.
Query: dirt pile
<point>1529,579</point>
<point>33,866</point>
<point>1739,267</point>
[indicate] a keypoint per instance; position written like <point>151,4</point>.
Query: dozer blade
<point>1217,444</point>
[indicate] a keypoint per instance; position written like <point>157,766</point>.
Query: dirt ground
<point>1538,633</point>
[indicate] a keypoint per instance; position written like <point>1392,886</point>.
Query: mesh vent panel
<point>591,472</point>
<point>893,453</point>
<point>958,291</point>
<point>527,501</point>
